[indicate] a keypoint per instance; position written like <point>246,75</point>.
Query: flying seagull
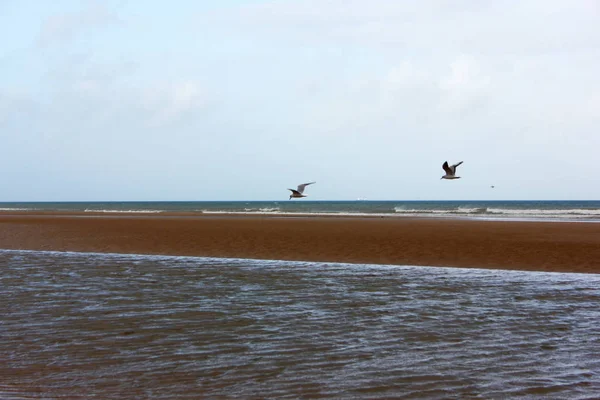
<point>298,192</point>
<point>450,171</point>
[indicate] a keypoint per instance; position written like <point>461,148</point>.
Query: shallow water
<point>111,326</point>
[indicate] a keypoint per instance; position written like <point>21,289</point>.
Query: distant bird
<point>450,171</point>
<point>492,186</point>
<point>298,192</point>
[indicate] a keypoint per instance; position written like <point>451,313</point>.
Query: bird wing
<point>301,187</point>
<point>456,165</point>
<point>297,193</point>
<point>447,168</point>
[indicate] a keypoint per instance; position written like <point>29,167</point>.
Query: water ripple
<point>113,326</point>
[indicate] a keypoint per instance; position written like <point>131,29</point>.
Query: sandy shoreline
<point>542,246</point>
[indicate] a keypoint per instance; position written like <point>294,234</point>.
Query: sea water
<point>84,325</point>
<point>500,210</point>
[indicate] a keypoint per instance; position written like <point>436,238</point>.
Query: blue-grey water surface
<point>77,325</point>
<point>490,210</point>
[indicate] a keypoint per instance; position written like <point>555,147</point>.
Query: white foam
<point>459,210</point>
<point>263,210</point>
<point>492,214</point>
<point>125,211</point>
<point>300,214</point>
<point>508,212</point>
<point>473,210</point>
<point>470,212</point>
<point>540,212</point>
<point>278,263</point>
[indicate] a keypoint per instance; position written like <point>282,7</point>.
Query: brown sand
<point>544,246</point>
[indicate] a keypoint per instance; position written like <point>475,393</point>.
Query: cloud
<point>512,27</point>
<point>413,93</point>
<point>406,74</point>
<point>87,102</point>
<point>436,58</point>
<point>592,107</point>
<point>338,90</point>
<point>173,101</point>
<point>465,87</point>
<point>66,26</point>
<point>98,107</point>
<point>17,107</point>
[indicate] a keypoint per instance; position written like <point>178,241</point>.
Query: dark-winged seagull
<point>298,192</point>
<point>450,171</point>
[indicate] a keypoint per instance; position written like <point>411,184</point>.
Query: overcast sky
<point>241,99</point>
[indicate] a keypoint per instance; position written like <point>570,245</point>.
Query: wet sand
<point>541,246</point>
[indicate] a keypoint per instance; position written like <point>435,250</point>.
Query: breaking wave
<point>576,213</point>
<point>91,210</point>
<point>485,210</point>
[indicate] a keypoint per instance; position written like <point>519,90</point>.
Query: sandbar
<point>517,245</point>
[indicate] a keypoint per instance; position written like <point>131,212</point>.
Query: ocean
<point>490,210</point>
<point>87,325</point>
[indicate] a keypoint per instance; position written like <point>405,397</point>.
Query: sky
<point>240,99</point>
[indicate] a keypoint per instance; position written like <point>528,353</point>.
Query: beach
<point>104,309</point>
<point>445,242</point>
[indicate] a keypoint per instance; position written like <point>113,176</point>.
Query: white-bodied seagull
<point>450,171</point>
<point>299,192</point>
